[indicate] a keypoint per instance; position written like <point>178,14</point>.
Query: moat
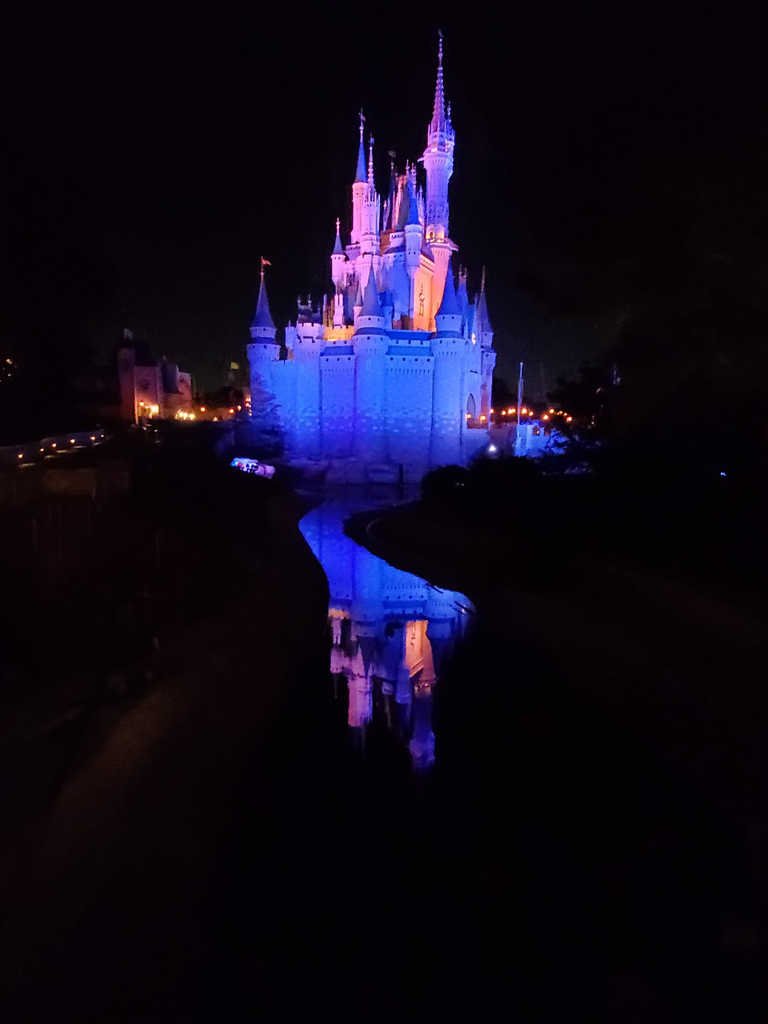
<point>392,633</point>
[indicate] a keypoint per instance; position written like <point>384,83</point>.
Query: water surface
<point>393,632</point>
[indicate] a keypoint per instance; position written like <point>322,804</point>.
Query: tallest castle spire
<point>438,114</point>
<point>360,172</point>
<point>438,158</point>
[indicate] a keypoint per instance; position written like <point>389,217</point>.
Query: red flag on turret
<point>265,263</point>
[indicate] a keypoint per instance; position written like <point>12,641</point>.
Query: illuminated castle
<point>391,375</point>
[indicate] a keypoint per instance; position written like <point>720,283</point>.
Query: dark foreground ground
<point>590,846</point>
<point>600,746</point>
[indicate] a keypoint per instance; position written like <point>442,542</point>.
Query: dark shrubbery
<point>445,482</point>
<point>485,479</point>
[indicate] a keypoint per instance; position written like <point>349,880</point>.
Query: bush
<point>445,482</point>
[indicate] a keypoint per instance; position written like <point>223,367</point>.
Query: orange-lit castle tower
<point>391,375</point>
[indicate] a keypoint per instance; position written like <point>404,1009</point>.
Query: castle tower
<point>263,349</point>
<point>370,343</point>
<point>438,163</point>
<point>413,238</point>
<point>487,353</point>
<point>448,348</point>
<point>338,258</point>
<point>371,215</point>
<point>359,189</point>
<point>438,159</point>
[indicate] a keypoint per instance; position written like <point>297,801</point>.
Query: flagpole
<point>519,393</point>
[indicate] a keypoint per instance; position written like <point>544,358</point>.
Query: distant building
<point>391,373</point>
<point>148,387</point>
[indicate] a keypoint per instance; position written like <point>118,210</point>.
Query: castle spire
<point>360,173</point>
<point>370,161</point>
<point>438,113</point>
<point>483,321</point>
<point>413,206</point>
<point>262,320</point>
<point>371,304</point>
<point>337,248</point>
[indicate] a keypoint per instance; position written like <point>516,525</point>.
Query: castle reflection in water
<point>392,632</point>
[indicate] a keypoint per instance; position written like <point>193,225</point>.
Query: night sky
<point>152,154</point>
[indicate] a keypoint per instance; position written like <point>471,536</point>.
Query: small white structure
<point>533,440</point>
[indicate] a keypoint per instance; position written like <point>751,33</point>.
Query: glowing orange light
<point>53,445</point>
<point>482,419</point>
<point>551,411</point>
<point>545,416</point>
<point>231,410</point>
<point>524,410</point>
<point>141,403</point>
<point>42,449</point>
<point>239,408</point>
<point>469,415</point>
<point>503,412</point>
<point>568,419</point>
<point>491,411</point>
<point>512,410</point>
<point>71,440</point>
<point>530,412</point>
<point>202,408</point>
<point>21,456</point>
<point>93,438</point>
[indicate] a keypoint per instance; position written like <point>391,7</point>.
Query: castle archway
<point>471,411</point>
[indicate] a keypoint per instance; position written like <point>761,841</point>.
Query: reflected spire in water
<point>391,631</point>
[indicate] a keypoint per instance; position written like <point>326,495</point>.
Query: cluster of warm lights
<point>72,440</point>
<point>180,415</point>
<point>525,411</point>
<point>148,409</point>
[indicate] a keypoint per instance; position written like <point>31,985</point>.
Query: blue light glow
<point>392,632</point>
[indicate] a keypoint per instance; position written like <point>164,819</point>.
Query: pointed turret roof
<point>413,206</point>
<point>371,304</point>
<point>359,293</point>
<point>337,248</point>
<point>360,174</point>
<point>483,322</point>
<point>461,294</point>
<point>263,317</point>
<point>450,304</point>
